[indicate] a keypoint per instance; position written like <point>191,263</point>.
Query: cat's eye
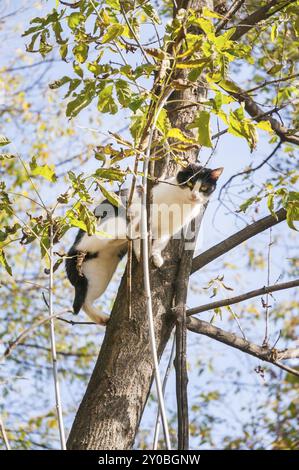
<point>189,184</point>
<point>204,188</point>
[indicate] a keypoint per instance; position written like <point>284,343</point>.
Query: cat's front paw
<point>157,260</point>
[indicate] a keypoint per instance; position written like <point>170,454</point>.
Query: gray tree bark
<point>113,404</point>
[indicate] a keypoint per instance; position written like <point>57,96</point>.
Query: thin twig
<point>147,286</point>
<point>181,351</point>
<point>232,10</point>
<point>272,82</point>
<point>235,240</point>
<point>71,322</point>
<point>134,34</point>
<point>271,355</point>
<point>53,346</point>
<point>4,434</point>
<point>243,297</point>
<point>258,16</point>
<point>167,372</point>
<point>265,341</point>
<point>249,170</point>
<point>25,333</point>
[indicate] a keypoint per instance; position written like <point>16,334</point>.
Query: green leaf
<point>270,204</point>
<point>123,92</point>
<point>274,32</point>
<point>81,217</point>
<point>58,83</point>
<point>106,103</point>
<point>136,102</point>
<point>248,203</point>
<point>75,19</point>
<point>78,70</point>
<point>63,50</point>
<point>242,127</point>
<point>265,126</point>
<point>44,46</point>
<point>56,26</point>
<point>274,69</point>
<point>228,85</point>
<point>175,133</point>
<point>113,32</point>
<point>137,124</point>
<point>82,100</point>
<point>30,46</point>
<point>193,64</point>
<point>80,52</point>
<point>291,204</point>
<point>292,215</point>
<point>4,262</point>
<point>46,171</point>
<point>112,197</point>
<point>202,124</point>
<point>6,156</point>
<point>111,174</point>
<point>163,123</point>
<point>4,141</point>
<point>210,14</point>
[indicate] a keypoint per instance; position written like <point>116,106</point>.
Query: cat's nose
<point>195,196</point>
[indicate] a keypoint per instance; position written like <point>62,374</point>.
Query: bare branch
<point>271,355</point>
<point>240,298</point>
<point>13,344</point>
<point>181,350</point>
<point>250,170</point>
<point>165,379</point>
<point>4,435</point>
<point>273,82</point>
<point>258,16</point>
<point>72,322</point>
<point>258,115</point>
<point>231,12</point>
<point>71,5</point>
<point>234,240</point>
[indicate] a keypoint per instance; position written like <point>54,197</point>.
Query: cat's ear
<point>216,173</point>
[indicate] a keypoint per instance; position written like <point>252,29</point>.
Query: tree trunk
<point>113,404</point>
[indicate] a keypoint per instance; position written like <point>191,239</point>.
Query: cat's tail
<point>95,316</point>
<point>80,295</point>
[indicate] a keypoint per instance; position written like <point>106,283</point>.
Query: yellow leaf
<point>265,126</point>
<point>176,133</point>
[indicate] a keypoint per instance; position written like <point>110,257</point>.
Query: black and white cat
<point>175,202</point>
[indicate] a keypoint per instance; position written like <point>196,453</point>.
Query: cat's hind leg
<point>158,246</point>
<point>98,272</point>
<point>94,314</point>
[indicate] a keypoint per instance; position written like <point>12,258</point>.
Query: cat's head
<point>200,181</point>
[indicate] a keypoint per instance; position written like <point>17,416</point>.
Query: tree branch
<point>181,352</point>
<point>242,297</point>
<point>13,344</point>
<point>257,16</point>
<point>234,240</point>
<point>4,435</point>
<point>249,170</point>
<point>258,115</point>
<point>231,12</point>
<point>271,355</point>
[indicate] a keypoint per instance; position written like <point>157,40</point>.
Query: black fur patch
<point>79,282</point>
<point>193,173</point>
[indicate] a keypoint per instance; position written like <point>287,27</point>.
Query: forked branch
<point>271,355</point>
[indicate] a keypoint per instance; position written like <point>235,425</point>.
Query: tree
<point>180,90</point>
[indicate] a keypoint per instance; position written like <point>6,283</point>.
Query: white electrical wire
<point>147,287</point>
